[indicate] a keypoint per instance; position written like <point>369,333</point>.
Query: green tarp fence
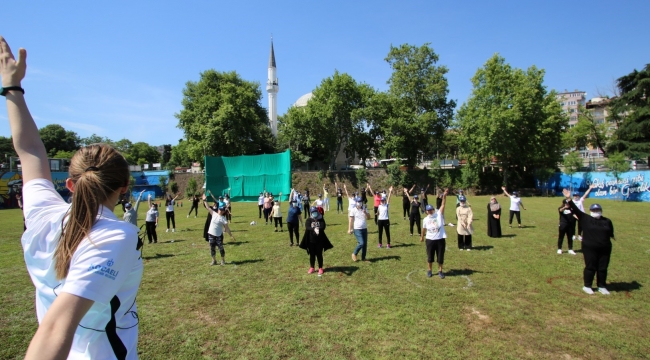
<point>246,176</point>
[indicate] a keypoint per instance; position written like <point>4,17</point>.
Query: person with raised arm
<point>406,201</point>
<point>293,218</point>
<point>169,211</point>
<point>377,200</point>
<point>351,200</point>
<point>260,204</point>
<point>433,227</point>
<point>515,206</point>
<point>424,198</point>
<point>596,245</point>
<point>383,223</point>
<point>195,206</point>
<point>268,207</point>
<point>84,262</point>
<point>131,213</point>
<point>326,199</point>
<point>151,221</point>
<point>276,213</point>
<point>579,201</point>
<point>339,199</point>
<point>414,216</point>
<point>218,224</point>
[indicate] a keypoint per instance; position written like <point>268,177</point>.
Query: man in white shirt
<point>433,226</point>
<point>515,205</point>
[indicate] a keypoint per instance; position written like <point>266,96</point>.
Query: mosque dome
<point>302,101</point>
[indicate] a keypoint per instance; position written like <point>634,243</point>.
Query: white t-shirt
<point>382,212</point>
<point>217,225</point>
<point>359,216</point>
<point>107,271</point>
<point>515,202</point>
<point>260,200</point>
<point>170,207</point>
<point>351,204</point>
<point>579,204</point>
<point>434,226</point>
<point>319,202</point>
<point>277,213</point>
<point>227,202</point>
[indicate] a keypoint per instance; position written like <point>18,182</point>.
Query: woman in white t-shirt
<point>169,211</point>
<point>85,291</point>
<point>358,225</point>
<point>433,226</point>
<point>276,214</point>
<point>382,218</point>
<point>515,205</point>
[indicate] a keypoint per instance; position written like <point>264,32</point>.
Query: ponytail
<point>97,172</point>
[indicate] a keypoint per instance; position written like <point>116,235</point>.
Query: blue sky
<point>118,68</point>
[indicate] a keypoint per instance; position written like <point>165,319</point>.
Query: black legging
<point>596,262</point>
<point>339,204</point>
<point>384,225</point>
<point>513,213</point>
<point>278,220</point>
<point>405,208</point>
<point>294,229</point>
<point>568,230</point>
<point>229,214</point>
<point>259,207</point>
<point>316,252</point>
<point>376,214</point>
<point>267,214</point>
<point>415,219</point>
<point>195,208</point>
<point>170,215</point>
<point>151,231</point>
<point>464,241</point>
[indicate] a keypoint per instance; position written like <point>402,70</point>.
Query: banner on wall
<point>631,185</point>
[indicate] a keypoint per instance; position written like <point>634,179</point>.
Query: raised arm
<point>406,192</point>
<point>346,191</point>
<point>412,188</point>
<point>205,204</point>
<point>587,192</point>
<point>574,208</point>
<point>149,200</point>
<point>504,191</point>
<point>370,189</point>
<point>444,202</point>
<point>137,202</point>
<point>390,191</point>
<point>26,139</point>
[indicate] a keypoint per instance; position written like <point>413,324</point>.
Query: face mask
<point>596,214</point>
<point>358,205</point>
<point>314,214</point>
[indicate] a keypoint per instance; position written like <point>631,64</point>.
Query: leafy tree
<point>510,116</point>
<point>544,174</point>
<point>162,182</point>
<point>395,174</point>
<point>617,165</point>
<point>141,153</point>
<point>94,139</point>
<point>586,132</point>
<point>295,132</point>
<point>167,153</point>
<point>191,188</point>
<point>124,146</point>
<point>362,176</point>
<point>418,101</point>
<point>62,154</point>
<point>56,138</point>
<point>222,115</point>
<point>631,111</point>
<point>180,155</point>
<point>572,164</point>
<point>7,147</point>
<point>173,186</point>
<point>469,176</point>
<point>366,134</point>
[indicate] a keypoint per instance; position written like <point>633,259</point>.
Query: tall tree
<point>142,153</point>
<point>222,115</point>
<point>510,116</point>
<point>94,139</point>
<point>6,147</point>
<point>586,132</point>
<point>418,95</point>
<point>167,153</point>
<point>180,155</point>
<point>631,111</point>
<point>56,138</point>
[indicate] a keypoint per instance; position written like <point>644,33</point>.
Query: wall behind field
<point>632,185</point>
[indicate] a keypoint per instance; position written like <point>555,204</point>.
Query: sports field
<point>510,298</point>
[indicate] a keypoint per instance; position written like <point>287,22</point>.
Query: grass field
<point>510,298</point>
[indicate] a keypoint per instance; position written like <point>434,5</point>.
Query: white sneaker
<point>587,290</point>
<point>173,230</point>
<point>469,249</point>
<point>195,216</point>
<point>572,252</point>
<point>461,249</point>
<point>167,230</point>
<point>559,251</point>
<point>603,291</point>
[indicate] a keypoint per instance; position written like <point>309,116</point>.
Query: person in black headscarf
<point>567,226</point>
<point>494,218</point>
<point>314,240</point>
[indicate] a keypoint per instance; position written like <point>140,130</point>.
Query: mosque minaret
<point>272,88</point>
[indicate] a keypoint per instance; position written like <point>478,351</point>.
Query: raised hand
<point>566,193</point>
<point>12,71</point>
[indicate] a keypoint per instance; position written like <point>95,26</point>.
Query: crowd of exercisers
<point>86,263</point>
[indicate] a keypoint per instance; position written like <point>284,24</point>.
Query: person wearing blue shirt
<point>294,220</point>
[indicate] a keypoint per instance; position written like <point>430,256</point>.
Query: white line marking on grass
<point>408,278</point>
<point>470,283</point>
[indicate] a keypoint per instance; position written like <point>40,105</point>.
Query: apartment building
<point>570,100</point>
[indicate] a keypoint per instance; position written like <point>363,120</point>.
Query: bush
<point>173,186</point>
<point>163,183</point>
<point>362,176</point>
<point>191,188</point>
<point>395,175</point>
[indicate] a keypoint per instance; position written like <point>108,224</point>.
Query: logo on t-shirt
<point>104,270</point>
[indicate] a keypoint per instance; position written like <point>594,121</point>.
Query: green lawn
<point>512,298</point>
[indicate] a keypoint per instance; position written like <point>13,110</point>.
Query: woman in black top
<point>567,226</point>
<point>494,218</point>
<point>597,233</point>
<point>195,206</point>
<point>414,216</point>
<point>314,240</point>
<point>406,203</point>
<point>306,203</point>
<point>339,198</point>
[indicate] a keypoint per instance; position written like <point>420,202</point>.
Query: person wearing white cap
<point>131,212</point>
<point>433,227</point>
<point>515,205</point>
<point>464,228</point>
<point>358,225</point>
<point>596,245</point>
<point>383,222</point>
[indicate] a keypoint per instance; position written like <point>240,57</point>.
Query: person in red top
<point>377,197</point>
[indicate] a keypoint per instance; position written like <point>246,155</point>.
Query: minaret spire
<point>272,88</point>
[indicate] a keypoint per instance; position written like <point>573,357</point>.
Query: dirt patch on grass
<point>477,321</point>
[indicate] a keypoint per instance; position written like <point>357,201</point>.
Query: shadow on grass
<point>527,227</point>
<point>236,243</point>
<point>392,257</point>
<point>157,256</point>
<point>460,272</point>
<point>188,229</point>
<point>402,245</point>
<point>347,270</point>
<point>624,286</point>
<point>170,241</point>
<point>509,235</point>
<point>250,261</point>
<point>483,248</point>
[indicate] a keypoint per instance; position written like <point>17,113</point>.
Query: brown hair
<point>97,171</point>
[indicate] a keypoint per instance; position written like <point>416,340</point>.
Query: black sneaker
<point>429,273</point>
<point>442,276</point>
